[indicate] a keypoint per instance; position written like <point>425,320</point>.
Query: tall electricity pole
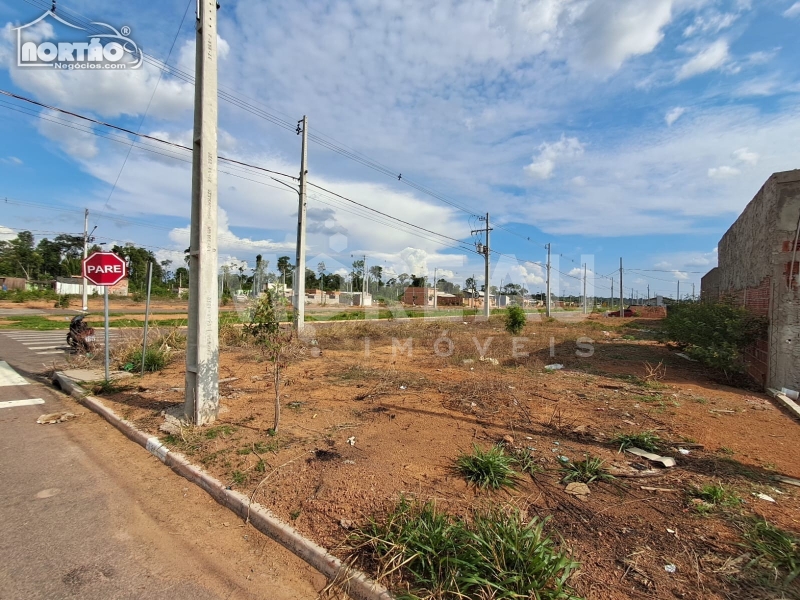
<point>484,249</point>
<point>621,292</point>
<point>678,297</point>
<point>584,288</point>
<point>85,252</point>
<point>300,270</point>
<point>202,353</point>
<point>547,306</point>
<point>648,291</point>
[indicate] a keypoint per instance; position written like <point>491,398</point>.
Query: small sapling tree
<point>273,341</point>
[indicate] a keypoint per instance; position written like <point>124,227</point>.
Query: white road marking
<point>62,346</point>
<point>9,376</point>
<point>52,352</point>
<point>14,403</point>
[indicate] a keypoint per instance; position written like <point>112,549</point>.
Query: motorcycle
<point>80,337</point>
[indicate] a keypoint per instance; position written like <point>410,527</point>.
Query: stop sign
<point>104,268</point>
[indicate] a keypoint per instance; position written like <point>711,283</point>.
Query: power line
<point>185,148</point>
<point>144,116</point>
<point>321,140</point>
<point>133,133</point>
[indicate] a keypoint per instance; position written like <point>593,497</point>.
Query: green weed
<point>776,550</point>
<point>588,470</point>
<point>646,440</point>
<point>490,468</point>
<point>496,554</point>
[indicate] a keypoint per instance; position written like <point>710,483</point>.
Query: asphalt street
<point>86,514</point>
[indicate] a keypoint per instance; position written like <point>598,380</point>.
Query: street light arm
<point>287,185</point>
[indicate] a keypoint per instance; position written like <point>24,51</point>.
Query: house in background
<point>74,286</point>
<point>759,258</point>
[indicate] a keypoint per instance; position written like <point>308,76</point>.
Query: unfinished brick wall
<point>756,300</point>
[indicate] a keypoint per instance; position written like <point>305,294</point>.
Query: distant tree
<point>334,281</point>
<point>137,259</point>
<point>285,269</point>
<point>377,274</point>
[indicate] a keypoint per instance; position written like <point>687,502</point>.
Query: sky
<point>633,129</point>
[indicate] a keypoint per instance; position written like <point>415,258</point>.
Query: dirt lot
<point>367,419</point>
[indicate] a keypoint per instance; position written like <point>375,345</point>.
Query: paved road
<point>86,514</point>
<point>51,343</point>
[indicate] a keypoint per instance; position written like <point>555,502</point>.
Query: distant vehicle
<point>628,313</point>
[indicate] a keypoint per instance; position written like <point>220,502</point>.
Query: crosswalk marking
<point>52,341</point>
<point>9,376</point>
<point>13,403</point>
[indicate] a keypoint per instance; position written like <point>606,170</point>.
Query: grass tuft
<point>587,471</point>
<point>776,550</point>
<point>716,495</point>
<point>490,468</point>
<point>646,440</point>
<point>526,462</point>
<point>496,554</point>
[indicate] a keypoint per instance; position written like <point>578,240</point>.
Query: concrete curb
<point>355,583</point>
<point>787,402</point>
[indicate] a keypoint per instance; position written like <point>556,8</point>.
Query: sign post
<point>106,269</point>
<point>105,314</point>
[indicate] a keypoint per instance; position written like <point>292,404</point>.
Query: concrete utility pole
<point>547,305</point>
<point>202,351</point>
<point>678,297</point>
<point>364,282</point>
<point>300,270</point>
<point>435,287</point>
<point>621,292</point>
<point>584,288</point>
<point>693,297</point>
<point>648,291</point>
<point>484,249</point>
<point>85,253</point>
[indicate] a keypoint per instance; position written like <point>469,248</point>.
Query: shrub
<point>497,554</point>
<point>714,334</point>
<point>155,359</point>
<point>515,320</point>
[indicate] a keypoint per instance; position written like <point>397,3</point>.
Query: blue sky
<point>609,128</point>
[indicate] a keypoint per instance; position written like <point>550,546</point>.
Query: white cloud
<point>579,180</point>
<point>544,163</point>
<point>229,244</point>
<point>108,93</point>
<point>710,58</point>
<point>674,114</point>
<point>11,160</point>
<point>6,234</point>
<point>77,143</point>
<point>746,156</point>
<point>713,22</point>
<point>613,31</point>
<point>792,11</point>
<point>722,172</point>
